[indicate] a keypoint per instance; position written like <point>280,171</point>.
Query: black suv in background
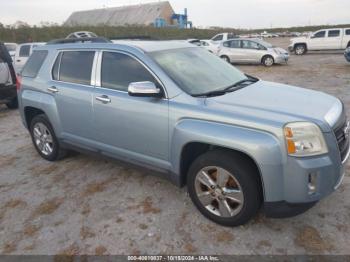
<point>8,92</point>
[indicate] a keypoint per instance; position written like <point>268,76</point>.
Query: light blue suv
<point>237,142</point>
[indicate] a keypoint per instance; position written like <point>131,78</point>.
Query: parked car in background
<point>23,52</point>
<point>11,48</point>
<point>250,51</point>
<point>325,39</point>
<point>196,42</point>
<point>268,35</point>
<point>237,142</point>
<point>81,34</point>
<point>8,93</point>
<point>210,46</point>
<point>347,54</point>
<point>223,37</point>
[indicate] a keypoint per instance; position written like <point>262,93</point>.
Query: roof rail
<point>79,40</point>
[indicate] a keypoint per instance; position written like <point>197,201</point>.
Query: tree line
<point>22,32</point>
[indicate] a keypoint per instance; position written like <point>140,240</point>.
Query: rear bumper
<point>283,209</point>
<point>291,48</point>
<point>7,93</point>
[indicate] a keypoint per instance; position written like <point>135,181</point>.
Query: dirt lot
<point>85,205</point>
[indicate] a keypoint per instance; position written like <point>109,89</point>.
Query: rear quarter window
<point>347,31</point>
<point>34,63</point>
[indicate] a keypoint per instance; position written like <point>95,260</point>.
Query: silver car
<point>252,51</point>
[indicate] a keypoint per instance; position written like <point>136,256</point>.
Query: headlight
<point>304,139</point>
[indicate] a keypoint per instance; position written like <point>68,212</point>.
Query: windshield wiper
<point>236,86</point>
<point>211,93</point>
<point>241,83</point>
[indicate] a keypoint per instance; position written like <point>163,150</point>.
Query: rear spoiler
<point>79,40</point>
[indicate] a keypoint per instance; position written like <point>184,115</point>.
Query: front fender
<point>264,148</point>
<point>44,102</point>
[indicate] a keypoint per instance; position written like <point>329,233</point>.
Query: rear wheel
<point>44,139</point>
<point>268,61</point>
<point>300,49</point>
<point>13,104</point>
<point>226,58</point>
<point>224,188</point>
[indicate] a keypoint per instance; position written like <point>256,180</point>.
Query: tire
<point>245,186</point>
<point>42,134</point>
<point>348,45</point>
<point>300,49</point>
<point>225,58</point>
<point>13,104</point>
<point>268,61</point>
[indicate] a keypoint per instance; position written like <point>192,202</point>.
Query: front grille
<point>342,138</point>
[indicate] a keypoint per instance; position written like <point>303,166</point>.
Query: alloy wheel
<point>219,191</point>
<point>299,50</point>
<point>43,139</point>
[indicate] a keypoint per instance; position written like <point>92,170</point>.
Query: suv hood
<point>278,104</point>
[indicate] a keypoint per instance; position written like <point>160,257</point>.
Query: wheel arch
<point>300,43</point>
<point>30,112</point>
<point>193,150</point>
<point>266,55</point>
<point>34,103</point>
<point>192,138</point>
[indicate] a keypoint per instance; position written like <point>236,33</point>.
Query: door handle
<point>18,60</point>
<point>53,89</point>
<point>104,99</point>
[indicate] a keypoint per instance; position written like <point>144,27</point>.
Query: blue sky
<point>230,13</point>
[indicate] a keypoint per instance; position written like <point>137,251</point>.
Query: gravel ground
<point>86,205</point>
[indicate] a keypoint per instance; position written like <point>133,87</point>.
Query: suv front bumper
<point>308,180</point>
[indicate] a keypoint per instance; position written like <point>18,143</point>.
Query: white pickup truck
<point>223,37</point>
<point>325,39</point>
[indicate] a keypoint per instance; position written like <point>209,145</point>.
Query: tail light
<point>18,82</point>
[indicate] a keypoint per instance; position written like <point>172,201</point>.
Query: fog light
<point>312,183</point>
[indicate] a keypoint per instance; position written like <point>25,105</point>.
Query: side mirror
<point>144,89</point>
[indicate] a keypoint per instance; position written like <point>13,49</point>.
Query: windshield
<point>196,71</point>
<point>10,47</point>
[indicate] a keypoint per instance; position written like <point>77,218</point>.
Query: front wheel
<point>224,188</point>
<point>268,61</point>
<point>300,49</point>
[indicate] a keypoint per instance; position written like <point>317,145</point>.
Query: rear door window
<point>236,44</point>
<point>333,33</point>
<point>24,51</point>
<point>76,67</point>
<point>34,63</point>
<point>347,31</point>
<point>246,44</point>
